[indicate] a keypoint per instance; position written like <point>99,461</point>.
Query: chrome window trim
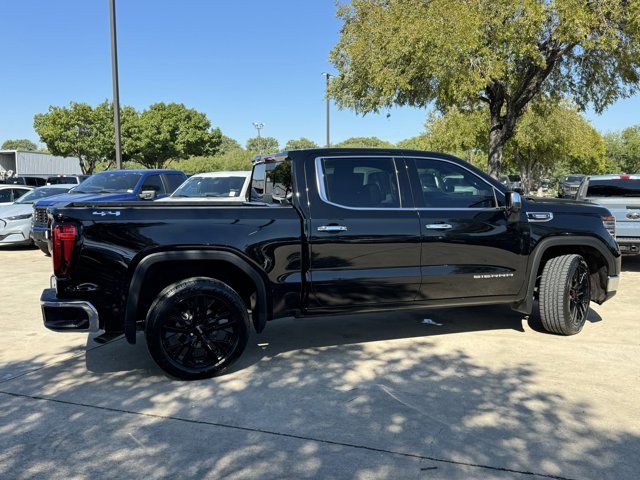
<point>323,194</point>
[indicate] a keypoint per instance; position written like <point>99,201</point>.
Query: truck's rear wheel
<point>564,294</point>
<point>197,328</point>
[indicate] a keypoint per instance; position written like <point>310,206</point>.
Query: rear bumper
<point>67,315</point>
<point>629,245</point>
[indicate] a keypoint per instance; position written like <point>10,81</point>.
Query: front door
<point>469,247</point>
<point>364,233</point>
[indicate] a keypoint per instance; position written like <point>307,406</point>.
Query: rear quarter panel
<point>115,238</point>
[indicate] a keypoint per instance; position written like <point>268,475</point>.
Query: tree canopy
<point>171,131</point>
<point>552,138</point>
<point>151,138</point>
<point>623,150</point>
<point>300,144</point>
<point>78,130</point>
<point>22,144</point>
<point>263,145</point>
<point>363,142</point>
<point>498,53</point>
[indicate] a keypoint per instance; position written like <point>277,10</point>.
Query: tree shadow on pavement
<point>631,264</point>
<point>338,397</point>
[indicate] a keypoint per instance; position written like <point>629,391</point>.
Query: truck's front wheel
<point>564,294</point>
<point>197,328</point>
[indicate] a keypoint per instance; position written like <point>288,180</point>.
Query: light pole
<point>327,76</point>
<point>114,73</point>
<point>259,126</point>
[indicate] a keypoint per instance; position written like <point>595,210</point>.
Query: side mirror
<point>513,202</point>
<point>147,195</point>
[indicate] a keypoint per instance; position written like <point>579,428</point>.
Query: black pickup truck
<point>323,231</point>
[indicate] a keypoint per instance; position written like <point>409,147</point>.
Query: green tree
<point>171,131</point>
<point>22,144</point>
<point>500,53</point>
<point>413,143</point>
<point>262,145</point>
<point>363,142</point>
<point>623,150</point>
<point>300,144</point>
<point>460,133</point>
<point>551,138</point>
<point>79,131</point>
<point>236,159</point>
<point>554,138</point>
<point>227,144</point>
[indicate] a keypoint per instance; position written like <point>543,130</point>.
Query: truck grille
<point>40,216</point>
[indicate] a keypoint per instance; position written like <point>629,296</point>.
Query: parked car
<point>10,193</point>
<point>323,231</point>
<point>512,182</point>
<point>569,186</point>
<point>15,219</point>
<point>621,195</point>
<point>67,179</point>
<point>215,186</point>
<point>110,185</point>
<point>28,181</point>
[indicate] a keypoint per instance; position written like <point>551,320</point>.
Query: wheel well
<point>163,274</point>
<point>597,263</point>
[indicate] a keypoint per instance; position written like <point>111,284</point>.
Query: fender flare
<point>135,286</point>
<point>525,305</point>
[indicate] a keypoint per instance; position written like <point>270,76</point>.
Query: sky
<point>239,61</point>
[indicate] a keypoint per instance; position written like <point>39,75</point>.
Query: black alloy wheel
<point>197,328</point>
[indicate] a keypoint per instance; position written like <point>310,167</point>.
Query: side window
<point>446,185</point>
<point>271,183</point>
<point>173,181</point>
<point>18,192</point>
<point>257,182</point>
<point>361,182</point>
<point>153,182</point>
<point>5,195</point>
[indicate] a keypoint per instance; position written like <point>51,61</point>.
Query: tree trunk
<point>83,165</point>
<point>496,145</point>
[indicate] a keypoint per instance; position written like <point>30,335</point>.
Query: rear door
<point>364,232</point>
<point>469,248</point>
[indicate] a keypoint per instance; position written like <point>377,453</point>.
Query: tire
<point>197,328</point>
<point>44,248</point>
<point>564,294</point>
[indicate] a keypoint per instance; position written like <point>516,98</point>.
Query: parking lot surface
<point>475,393</point>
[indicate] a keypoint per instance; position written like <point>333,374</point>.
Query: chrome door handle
<point>332,228</point>
<point>437,226</point>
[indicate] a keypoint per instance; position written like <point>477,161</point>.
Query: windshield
<point>39,193</point>
<point>614,188</point>
<point>61,180</point>
<point>514,178</point>
<point>109,182</point>
<point>211,187</point>
<point>573,178</point>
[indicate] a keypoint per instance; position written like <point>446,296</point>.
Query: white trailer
<point>36,164</point>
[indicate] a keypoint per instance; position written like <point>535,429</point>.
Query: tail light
<point>64,241</point>
<point>609,222</point>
